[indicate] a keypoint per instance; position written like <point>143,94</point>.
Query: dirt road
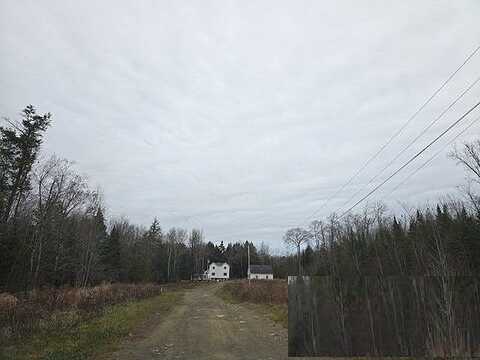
<point>203,326</point>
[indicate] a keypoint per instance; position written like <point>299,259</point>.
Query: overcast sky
<point>240,117</point>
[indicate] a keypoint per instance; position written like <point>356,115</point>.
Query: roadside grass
<point>90,337</point>
<point>25,314</point>
<point>259,293</point>
<point>279,314</point>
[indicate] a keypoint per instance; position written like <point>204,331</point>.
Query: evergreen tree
<point>19,147</point>
<point>111,255</point>
<point>100,227</point>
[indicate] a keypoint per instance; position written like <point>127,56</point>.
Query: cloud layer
<point>239,117</point>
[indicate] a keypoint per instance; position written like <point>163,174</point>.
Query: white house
<point>218,271</point>
<point>260,272</point>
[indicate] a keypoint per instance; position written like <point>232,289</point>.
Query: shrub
<point>60,308</point>
<point>259,291</point>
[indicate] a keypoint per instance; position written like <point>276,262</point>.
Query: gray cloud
<point>241,117</point>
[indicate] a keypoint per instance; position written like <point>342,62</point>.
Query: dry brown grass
<point>270,295</point>
<point>259,291</point>
<point>24,314</point>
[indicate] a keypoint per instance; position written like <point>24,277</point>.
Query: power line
<point>411,160</point>
<point>433,157</point>
<point>412,142</point>
<point>397,133</point>
<point>13,124</point>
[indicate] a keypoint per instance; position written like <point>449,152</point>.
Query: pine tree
<point>100,227</point>
<point>111,255</point>
<point>19,147</point>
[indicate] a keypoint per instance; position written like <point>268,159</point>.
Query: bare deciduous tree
<point>297,237</point>
<point>318,231</point>
<point>60,191</point>
<point>469,157</point>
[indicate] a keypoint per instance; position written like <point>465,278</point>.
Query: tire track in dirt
<point>203,326</point>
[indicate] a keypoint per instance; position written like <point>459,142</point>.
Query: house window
<point>213,267</point>
<point>256,276</point>
<point>224,274</point>
<point>213,274</point>
<point>224,268</point>
<point>266,277</point>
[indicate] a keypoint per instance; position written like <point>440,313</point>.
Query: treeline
<point>53,230</point>
<point>405,286</point>
<point>435,241</point>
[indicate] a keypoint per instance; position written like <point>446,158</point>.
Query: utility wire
<point>13,124</point>
<point>433,157</point>
<point>411,142</point>
<point>396,134</point>
<point>411,160</point>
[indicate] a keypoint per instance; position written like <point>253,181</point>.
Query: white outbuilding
<point>260,272</point>
<point>218,271</point>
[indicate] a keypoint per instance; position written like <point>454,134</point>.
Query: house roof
<point>218,263</point>
<point>261,269</point>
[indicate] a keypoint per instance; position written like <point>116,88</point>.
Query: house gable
<point>217,270</point>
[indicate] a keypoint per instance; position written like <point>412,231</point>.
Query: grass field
<point>270,296</point>
<point>94,336</point>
